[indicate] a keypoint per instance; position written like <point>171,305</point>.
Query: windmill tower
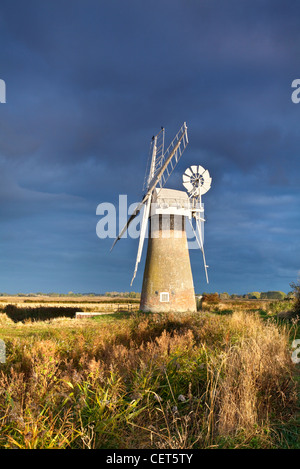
<point>168,281</point>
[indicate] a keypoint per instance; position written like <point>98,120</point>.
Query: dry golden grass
<point>261,361</point>
<point>146,381</point>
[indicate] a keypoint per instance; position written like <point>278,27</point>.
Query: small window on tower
<point>164,297</point>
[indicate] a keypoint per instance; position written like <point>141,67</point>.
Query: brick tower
<point>168,281</point>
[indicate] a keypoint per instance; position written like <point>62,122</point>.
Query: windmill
<point>168,282</point>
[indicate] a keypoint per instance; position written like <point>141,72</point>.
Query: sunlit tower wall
<point>168,282</point>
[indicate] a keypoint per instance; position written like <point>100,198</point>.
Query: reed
<point>200,380</point>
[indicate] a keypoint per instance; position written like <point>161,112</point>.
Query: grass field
<point>219,378</point>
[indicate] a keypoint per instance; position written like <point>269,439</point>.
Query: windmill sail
<point>198,233</point>
<point>197,182</point>
<point>166,164</point>
<point>142,236</point>
<point>132,217</point>
<point>161,170</point>
<point>156,153</point>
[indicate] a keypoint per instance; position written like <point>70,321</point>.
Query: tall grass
<point>146,381</point>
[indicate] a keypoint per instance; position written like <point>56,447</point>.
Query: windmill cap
<point>170,196</point>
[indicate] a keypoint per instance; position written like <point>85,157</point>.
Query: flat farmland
<point>83,303</point>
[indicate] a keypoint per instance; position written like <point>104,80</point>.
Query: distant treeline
<point>269,295</point>
<point>112,294</point>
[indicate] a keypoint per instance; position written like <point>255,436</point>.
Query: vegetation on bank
<point>219,378</point>
<point>116,296</point>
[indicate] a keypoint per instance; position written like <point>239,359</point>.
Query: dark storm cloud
<point>90,82</point>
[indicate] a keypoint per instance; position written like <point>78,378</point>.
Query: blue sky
<point>88,84</point>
